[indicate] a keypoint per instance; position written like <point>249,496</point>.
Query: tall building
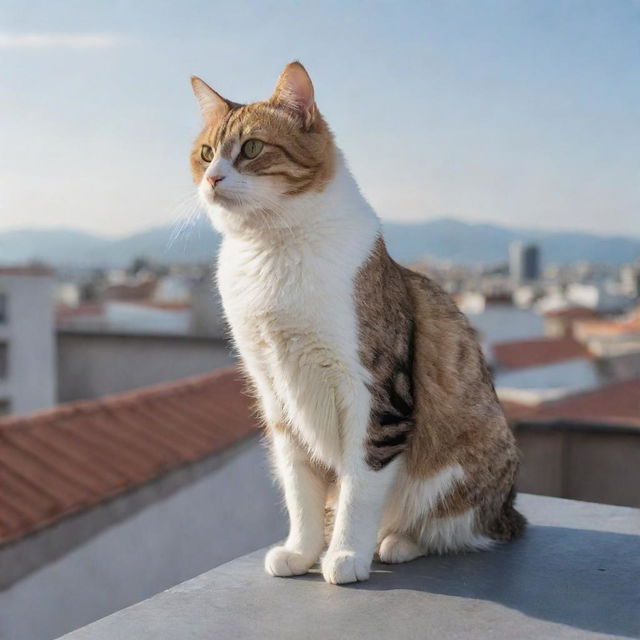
<point>27,340</point>
<point>524,262</point>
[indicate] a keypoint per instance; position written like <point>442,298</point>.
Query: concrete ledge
<point>575,574</point>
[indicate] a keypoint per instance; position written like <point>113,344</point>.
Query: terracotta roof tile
<point>593,328</point>
<point>573,313</point>
<point>515,411</point>
<point>539,351</point>
<point>614,403</point>
<point>66,459</point>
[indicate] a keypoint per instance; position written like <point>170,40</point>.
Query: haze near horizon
<point>514,113</point>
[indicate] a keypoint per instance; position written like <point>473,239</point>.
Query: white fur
<point>455,533</point>
<point>409,509</point>
<point>286,270</point>
<point>396,548</point>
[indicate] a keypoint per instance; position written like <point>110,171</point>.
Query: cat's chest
<point>284,289</point>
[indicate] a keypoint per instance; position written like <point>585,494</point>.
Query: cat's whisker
<point>187,213</point>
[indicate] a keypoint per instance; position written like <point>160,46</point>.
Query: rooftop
<point>26,271</point>
<point>519,354</point>
<point>607,328</point>
<point>617,403</point>
<point>573,313</point>
<point>574,574</point>
<point>58,462</point>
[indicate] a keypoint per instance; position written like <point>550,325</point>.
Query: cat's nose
<point>213,180</point>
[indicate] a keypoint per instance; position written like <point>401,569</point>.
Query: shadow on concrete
<point>586,579</point>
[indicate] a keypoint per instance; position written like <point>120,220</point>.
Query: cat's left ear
<point>212,104</point>
<point>294,92</point>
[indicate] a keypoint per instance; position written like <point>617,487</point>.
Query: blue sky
<point>522,112</point>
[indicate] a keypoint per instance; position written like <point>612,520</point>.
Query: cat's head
<point>251,162</point>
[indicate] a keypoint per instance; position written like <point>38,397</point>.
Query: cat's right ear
<point>212,105</point>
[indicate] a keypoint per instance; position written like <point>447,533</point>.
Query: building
<point>560,322</point>
<point>611,337</point>
<point>104,503</point>
<point>540,369</point>
<point>617,403</point>
<point>94,363</point>
<point>602,297</point>
<point>584,446</point>
<point>27,340</point>
<point>118,499</point>
<point>174,309</point>
<point>524,262</point>
<point>499,320</point>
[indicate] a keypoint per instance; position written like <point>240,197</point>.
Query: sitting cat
<point>371,383</point>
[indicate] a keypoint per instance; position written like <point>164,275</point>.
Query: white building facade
<point>27,340</point>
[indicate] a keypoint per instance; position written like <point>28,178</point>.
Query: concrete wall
<point>123,316</point>
<point>233,508</point>
<point>29,333</point>
<point>93,364</point>
<point>582,462</point>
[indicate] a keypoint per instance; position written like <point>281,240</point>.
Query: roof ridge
<point>604,388</point>
<point>122,399</point>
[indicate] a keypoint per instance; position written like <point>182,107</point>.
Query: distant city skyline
<point>518,113</point>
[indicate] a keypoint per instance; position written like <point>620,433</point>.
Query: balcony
<point>575,574</point>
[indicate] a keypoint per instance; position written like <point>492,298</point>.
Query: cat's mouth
<point>218,197</point>
<point>226,200</point>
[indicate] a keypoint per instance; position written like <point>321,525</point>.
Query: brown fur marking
<point>416,343</point>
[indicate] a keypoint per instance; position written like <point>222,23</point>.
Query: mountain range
<point>443,239</point>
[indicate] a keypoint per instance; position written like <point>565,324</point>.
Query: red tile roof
<point>60,461</point>
<point>539,351</point>
<point>613,403</point>
<point>573,313</point>
<point>595,328</point>
<point>515,411</point>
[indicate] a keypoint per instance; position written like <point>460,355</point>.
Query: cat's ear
<point>212,104</point>
<point>294,91</point>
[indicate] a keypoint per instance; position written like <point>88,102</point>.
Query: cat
<point>375,394</point>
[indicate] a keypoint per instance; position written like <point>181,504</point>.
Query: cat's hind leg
<point>397,547</point>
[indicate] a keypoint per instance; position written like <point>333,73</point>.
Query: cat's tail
<point>509,523</point>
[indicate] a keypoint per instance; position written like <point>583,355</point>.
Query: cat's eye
<point>251,148</point>
<point>206,153</point>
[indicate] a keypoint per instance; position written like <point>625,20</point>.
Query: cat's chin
<point>230,217</point>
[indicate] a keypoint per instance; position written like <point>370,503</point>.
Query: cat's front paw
<point>342,567</point>
<point>282,562</point>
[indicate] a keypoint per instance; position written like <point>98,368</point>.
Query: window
<point>5,407</point>
<point>4,360</point>
<point>4,308</point>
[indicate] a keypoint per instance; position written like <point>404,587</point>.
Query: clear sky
<point>518,112</point>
